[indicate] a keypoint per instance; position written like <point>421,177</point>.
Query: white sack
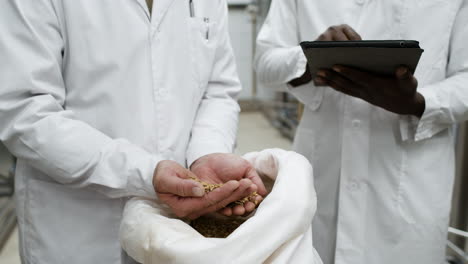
<point>279,232</point>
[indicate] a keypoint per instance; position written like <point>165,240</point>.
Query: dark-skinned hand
<point>333,33</point>
<point>396,93</point>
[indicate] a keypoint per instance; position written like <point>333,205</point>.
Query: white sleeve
<point>279,58</point>
<point>36,127</point>
<point>215,126</point>
<point>446,101</point>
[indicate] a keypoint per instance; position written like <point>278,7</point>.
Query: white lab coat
<point>384,181</point>
<point>93,94</point>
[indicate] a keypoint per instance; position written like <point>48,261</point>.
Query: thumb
<point>180,184</point>
<point>255,178</point>
<point>406,79</point>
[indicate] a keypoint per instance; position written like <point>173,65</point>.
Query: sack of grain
<point>278,232</point>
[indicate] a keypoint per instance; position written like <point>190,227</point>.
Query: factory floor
<point>255,133</point>
<point>10,252</point>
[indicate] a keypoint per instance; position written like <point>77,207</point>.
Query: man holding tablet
<point>381,145</point>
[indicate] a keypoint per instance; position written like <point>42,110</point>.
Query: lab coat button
<point>353,186</point>
<point>356,123</point>
<point>163,93</point>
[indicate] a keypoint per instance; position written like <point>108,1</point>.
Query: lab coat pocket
<point>203,48</point>
<point>60,218</point>
<point>418,15</point>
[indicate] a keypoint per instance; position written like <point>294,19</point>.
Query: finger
<point>246,187</point>
<point>173,184</point>
<point>238,210</point>
<point>211,202</point>
<point>341,84</point>
<point>194,207</point>
<point>344,90</point>
<point>337,78</point>
<point>335,33</point>
<point>249,207</point>
<point>255,178</point>
<point>327,36</point>
<point>359,77</point>
<point>220,198</point>
<point>227,211</point>
<point>323,80</point>
<point>258,200</point>
<point>319,81</point>
<point>184,173</point>
<point>188,187</point>
<point>222,193</point>
<point>350,33</point>
<point>405,78</point>
<point>339,35</point>
<point>403,73</point>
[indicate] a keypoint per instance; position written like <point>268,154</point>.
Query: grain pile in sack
<point>279,231</point>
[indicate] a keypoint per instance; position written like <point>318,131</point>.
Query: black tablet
<point>376,56</point>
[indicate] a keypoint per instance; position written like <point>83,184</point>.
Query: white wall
<point>240,29</point>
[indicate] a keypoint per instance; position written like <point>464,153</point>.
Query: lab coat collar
<point>144,6</point>
<point>160,8</point>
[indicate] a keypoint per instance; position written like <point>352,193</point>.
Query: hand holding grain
<point>220,168</point>
<point>174,185</point>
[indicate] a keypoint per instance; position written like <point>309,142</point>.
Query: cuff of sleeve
<point>141,182</point>
<point>299,64</point>
<point>201,149</point>
<point>415,129</point>
<point>308,94</point>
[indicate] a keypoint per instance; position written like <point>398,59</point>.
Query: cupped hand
<point>186,197</point>
<point>220,168</point>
